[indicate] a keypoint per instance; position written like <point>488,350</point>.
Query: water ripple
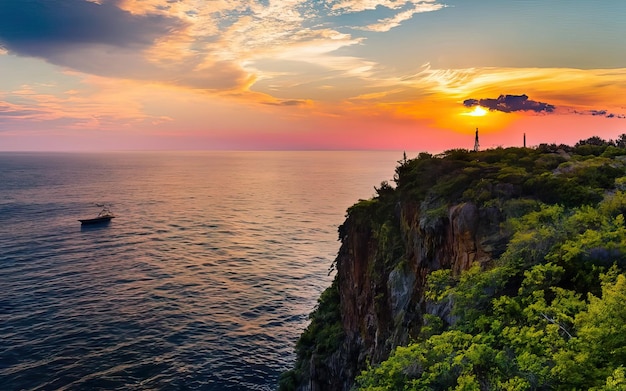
<point>203,282</point>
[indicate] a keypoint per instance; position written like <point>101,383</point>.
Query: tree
<point>599,349</point>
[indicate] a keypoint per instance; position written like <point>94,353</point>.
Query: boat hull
<point>96,220</point>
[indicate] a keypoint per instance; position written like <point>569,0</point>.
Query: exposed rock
<point>381,300</point>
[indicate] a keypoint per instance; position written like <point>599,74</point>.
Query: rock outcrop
<point>381,275</point>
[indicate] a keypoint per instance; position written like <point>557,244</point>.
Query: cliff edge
<point>451,212</point>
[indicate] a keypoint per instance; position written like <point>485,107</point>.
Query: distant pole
<point>524,140</point>
<point>476,144</point>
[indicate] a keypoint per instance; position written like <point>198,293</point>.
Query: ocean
<point>203,281</point>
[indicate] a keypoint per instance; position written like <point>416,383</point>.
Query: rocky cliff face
<point>381,276</point>
<point>445,212</point>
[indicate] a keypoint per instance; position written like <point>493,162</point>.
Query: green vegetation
<point>320,339</point>
<point>549,313</point>
<point>545,337</point>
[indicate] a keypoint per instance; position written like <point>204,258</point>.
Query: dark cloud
<point>601,113</point>
<point>8,111</point>
<point>42,28</point>
<point>20,113</point>
<point>102,39</point>
<point>510,103</point>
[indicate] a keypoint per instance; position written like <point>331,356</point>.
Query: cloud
<point>511,103</point>
<point>235,45</point>
<point>387,24</point>
<point>41,28</point>
<point>205,45</point>
<point>101,39</point>
<point>600,113</point>
<point>97,101</point>
<point>290,102</point>
<point>15,112</point>
<point>366,5</point>
<point>405,11</point>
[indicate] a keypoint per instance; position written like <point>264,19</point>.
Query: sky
<point>415,75</point>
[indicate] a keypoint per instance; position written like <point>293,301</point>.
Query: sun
<point>477,112</point>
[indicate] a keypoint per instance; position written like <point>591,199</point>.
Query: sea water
<point>203,281</point>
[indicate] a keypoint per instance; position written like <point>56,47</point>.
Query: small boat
<point>104,216</point>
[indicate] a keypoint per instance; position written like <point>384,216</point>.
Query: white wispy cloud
<point>244,32</point>
<point>237,34</point>
<point>387,24</point>
<point>364,5</point>
<point>219,45</point>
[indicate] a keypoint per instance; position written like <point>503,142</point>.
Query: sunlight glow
<point>477,112</point>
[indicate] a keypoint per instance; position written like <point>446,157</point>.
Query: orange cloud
<point>438,95</point>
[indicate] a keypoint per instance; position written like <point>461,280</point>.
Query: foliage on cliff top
<point>570,176</point>
<point>530,321</point>
<point>549,313</point>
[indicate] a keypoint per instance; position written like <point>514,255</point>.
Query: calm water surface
<point>203,282</point>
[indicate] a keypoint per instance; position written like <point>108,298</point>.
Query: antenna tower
<point>476,144</point>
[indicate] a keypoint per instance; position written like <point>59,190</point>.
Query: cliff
<point>382,289</point>
<point>450,212</point>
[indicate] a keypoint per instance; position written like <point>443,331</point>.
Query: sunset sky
<point>417,75</point>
